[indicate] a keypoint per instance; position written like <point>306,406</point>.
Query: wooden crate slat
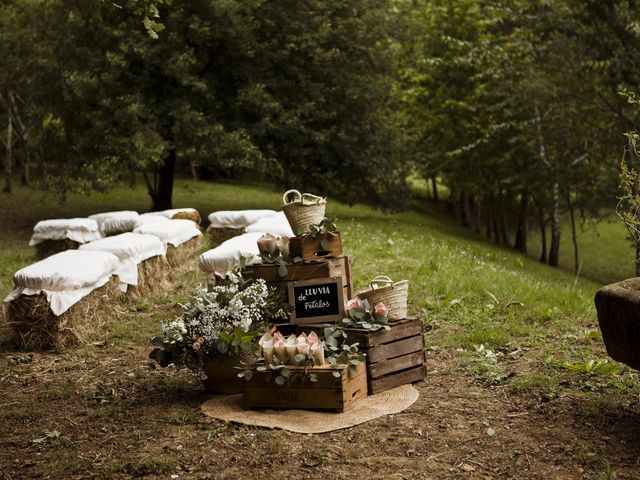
<point>325,268</point>
<point>366,339</point>
<point>395,349</point>
<point>403,362</point>
<point>308,395</point>
<point>310,248</point>
<point>414,374</point>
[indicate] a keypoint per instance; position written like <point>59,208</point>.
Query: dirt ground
<point>116,418</point>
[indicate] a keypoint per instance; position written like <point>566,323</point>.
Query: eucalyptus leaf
<point>280,380</point>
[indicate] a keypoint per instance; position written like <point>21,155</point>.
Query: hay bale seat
<point>143,266</point>
<point>177,214</point>
<point>181,237</point>
<point>54,236</point>
<point>219,261</point>
<point>115,223</point>
<point>276,225</point>
<point>226,224</point>
<point>618,307</point>
<point>62,300</point>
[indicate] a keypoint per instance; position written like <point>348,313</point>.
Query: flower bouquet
<point>361,315</point>
<point>219,326</point>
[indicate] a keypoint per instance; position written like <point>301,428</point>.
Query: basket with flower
<point>218,328</point>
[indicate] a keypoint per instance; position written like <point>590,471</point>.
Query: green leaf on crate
<point>331,341</point>
<point>248,375</point>
<point>313,377</point>
<point>280,380</point>
<point>297,260</point>
<point>241,374</point>
<point>299,358</point>
<point>354,362</point>
<point>324,243</point>
<point>285,372</point>
<point>261,368</point>
<point>336,373</point>
<point>282,270</point>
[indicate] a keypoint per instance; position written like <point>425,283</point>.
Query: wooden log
<point>618,307</point>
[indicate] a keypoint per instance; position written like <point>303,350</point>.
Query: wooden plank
<point>309,248</point>
<point>326,379</point>
<point>326,268</point>
<point>376,370</point>
<point>412,375</point>
<point>303,396</point>
<point>367,339</point>
<point>394,349</point>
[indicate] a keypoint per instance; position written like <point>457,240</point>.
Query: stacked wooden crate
<point>394,357</point>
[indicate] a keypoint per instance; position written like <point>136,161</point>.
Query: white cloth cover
<point>81,230</point>
<point>65,277</point>
<point>174,232</point>
<point>238,218</point>
<point>148,218</point>
<point>169,213</point>
<point>275,225</point>
<point>226,256</point>
<point>131,249</point>
<point>115,222</point>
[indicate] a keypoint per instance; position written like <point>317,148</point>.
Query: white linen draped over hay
<point>65,277</point>
<point>81,230</point>
<point>169,213</point>
<point>238,218</point>
<point>131,249</point>
<point>275,225</point>
<point>225,257</point>
<point>115,222</point>
<point>174,232</point>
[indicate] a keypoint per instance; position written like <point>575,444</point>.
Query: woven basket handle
<point>380,279</point>
<point>291,196</point>
<point>311,199</point>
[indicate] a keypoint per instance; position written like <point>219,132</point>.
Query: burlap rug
<point>229,408</point>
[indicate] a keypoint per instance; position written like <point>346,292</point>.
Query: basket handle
<point>380,279</point>
<point>314,199</point>
<point>296,196</point>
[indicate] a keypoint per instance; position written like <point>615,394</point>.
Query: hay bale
<point>152,277</point>
<point>183,257</point>
<point>192,215</point>
<point>36,327</point>
<point>51,247</point>
<point>219,235</point>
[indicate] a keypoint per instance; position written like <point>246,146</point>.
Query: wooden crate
<point>328,393</point>
<point>325,268</point>
<point>394,357</point>
<point>309,248</point>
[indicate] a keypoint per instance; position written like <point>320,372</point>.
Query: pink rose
<point>381,309</point>
<point>283,246</point>
<point>196,346</point>
<point>268,244</point>
<point>354,303</point>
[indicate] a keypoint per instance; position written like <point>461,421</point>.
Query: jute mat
<point>229,408</point>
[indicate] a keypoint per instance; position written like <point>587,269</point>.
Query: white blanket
<point>170,213</point>
<point>81,230</point>
<point>131,249</point>
<point>225,257</point>
<point>276,225</point>
<point>65,277</point>
<point>115,222</point>
<point>174,232</point>
<point>238,218</point>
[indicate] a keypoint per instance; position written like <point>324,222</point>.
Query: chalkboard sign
<point>318,300</point>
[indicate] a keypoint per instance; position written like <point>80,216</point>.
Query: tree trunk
<point>522,231</point>
<point>434,189</point>
<point>543,233</point>
<point>164,192</point>
<point>194,172</point>
<point>8,159</point>
<point>477,204</point>
<point>504,235</point>
<point>465,208</point>
<point>488,217</point>
<point>574,237</point>
<point>554,249</point>
<point>24,171</point>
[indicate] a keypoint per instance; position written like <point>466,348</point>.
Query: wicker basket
<point>303,210</point>
<point>393,295</point>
